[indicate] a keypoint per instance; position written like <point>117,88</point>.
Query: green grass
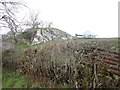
<point>32,29</point>
<point>87,39</point>
<point>22,45</point>
<point>15,80</point>
<point>58,41</point>
<point>47,43</point>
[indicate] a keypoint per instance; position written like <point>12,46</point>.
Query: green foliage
<point>27,35</point>
<point>22,45</point>
<point>15,80</point>
<point>12,80</point>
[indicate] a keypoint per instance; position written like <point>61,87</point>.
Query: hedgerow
<point>68,63</point>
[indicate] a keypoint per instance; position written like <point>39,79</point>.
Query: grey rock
<point>44,35</point>
<point>39,35</point>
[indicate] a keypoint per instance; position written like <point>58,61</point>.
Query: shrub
<point>69,62</point>
<point>27,35</point>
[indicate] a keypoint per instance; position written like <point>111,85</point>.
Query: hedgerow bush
<point>68,63</point>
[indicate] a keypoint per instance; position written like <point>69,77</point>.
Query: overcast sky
<point>77,16</point>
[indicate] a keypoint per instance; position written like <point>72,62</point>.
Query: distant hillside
<point>36,36</point>
<point>43,35</point>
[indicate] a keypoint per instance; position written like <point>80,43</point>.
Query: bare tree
<point>11,25</point>
<point>8,9</point>
<point>48,24</point>
<point>34,21</point>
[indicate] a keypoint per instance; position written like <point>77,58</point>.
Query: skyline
<point>100,17</point>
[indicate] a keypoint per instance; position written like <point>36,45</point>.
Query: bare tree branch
<point>34,21</point>
<point>8,10</point>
